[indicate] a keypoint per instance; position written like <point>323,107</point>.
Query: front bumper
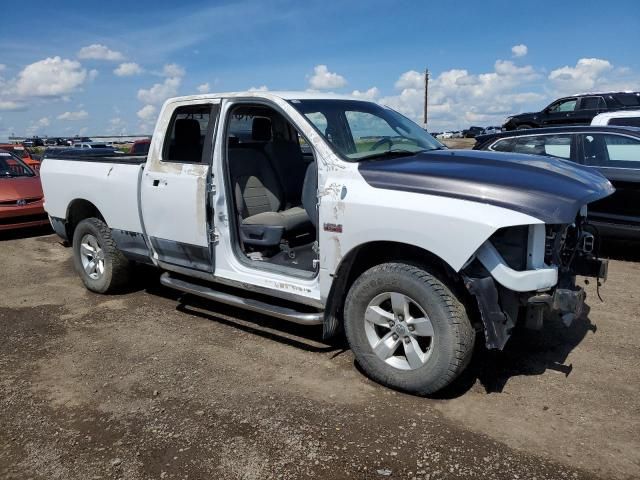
<point>500,308</point>
<point>31,215</point>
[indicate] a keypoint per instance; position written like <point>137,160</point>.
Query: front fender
<point>352,213</point>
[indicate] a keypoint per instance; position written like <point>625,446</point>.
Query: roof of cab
<point>285,95</point>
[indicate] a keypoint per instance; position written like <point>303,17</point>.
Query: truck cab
<point>329,210</point>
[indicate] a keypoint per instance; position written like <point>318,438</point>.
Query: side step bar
<point>246,303</point>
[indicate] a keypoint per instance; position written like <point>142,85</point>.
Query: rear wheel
<point>523,127</point>
<point>96,258</point>
<point>407,329</point>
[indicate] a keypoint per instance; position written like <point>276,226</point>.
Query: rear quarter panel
<point>111,187</point>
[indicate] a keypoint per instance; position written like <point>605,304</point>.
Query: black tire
<point>453,335</point>
<point>116,269</point>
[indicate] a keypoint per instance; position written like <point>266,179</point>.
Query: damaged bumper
<point>506,295</point>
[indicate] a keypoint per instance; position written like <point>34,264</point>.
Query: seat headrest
<point>187,131</point>
<point>261,129</point>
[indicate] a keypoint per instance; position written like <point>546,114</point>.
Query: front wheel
<point>407,329</point>
<point>96,258</point>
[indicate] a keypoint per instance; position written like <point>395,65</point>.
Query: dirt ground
<point>146,385</point>
<point>459,142</point>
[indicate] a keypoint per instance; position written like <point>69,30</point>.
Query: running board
<point>253,305</point>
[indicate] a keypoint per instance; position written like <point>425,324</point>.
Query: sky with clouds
<point>74,67</point>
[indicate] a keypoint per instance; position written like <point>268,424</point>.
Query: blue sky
<point>58,58</point>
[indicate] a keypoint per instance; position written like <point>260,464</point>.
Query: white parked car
<point>491,130</point>
<point>91,145</point>
<point>626,118</point>
<point>445,135</point>
<point>373,226</point>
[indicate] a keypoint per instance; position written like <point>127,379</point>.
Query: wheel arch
<point>370,254</point>
<point>79,209</point>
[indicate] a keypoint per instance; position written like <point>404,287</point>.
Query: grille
<point>14,203</point>
<point>23,219</point>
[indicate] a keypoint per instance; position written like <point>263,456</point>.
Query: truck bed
<point>110,182</point>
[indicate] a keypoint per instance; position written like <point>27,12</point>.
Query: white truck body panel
<point>112,186</point>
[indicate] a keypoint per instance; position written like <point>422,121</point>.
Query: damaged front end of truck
<point>528,273</point>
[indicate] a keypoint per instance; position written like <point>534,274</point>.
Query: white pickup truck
<point>322,209</point>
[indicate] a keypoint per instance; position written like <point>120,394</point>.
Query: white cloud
<point>323,79</point>
<point>508,68</point>
<point>93,73</point>
<point>410,79</point>
<point>128,69</point>
<point>3,67</point>
<point>458,97</point>
<point>587,75</point>
<point>159,92</point>
<point>50,77</point>
<point>12,105</point>
<point>147,113</point>
<point>38,126</point>
<point>173,70</point>
<point>73,116</point>
<point>97,51</point>
<point>262,88</point>
<point>117,126</point>
<point>519,50</point>
<point>370,94</point>
<point>203,88</point>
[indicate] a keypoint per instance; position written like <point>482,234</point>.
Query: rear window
<point>625,121</point>
<point>628,99</point>
<point>186,133</point>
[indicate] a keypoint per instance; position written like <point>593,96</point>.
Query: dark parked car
<point>614,151</point>
<point>472,132</point>
<point>33,142</point>
<point>574,110</point>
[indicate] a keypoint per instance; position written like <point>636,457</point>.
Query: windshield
<point>12,166</point>
<point>360,130</point>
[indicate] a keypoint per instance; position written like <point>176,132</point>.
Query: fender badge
<point>21,202</point>
<point>332,227</point>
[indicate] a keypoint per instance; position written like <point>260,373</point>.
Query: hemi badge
<point>333,227</point>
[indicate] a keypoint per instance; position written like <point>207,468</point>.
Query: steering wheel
<point>381,142</point>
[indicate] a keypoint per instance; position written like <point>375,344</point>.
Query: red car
<point>140,147</point>
<point>21,197</point>
<point>22,152</point>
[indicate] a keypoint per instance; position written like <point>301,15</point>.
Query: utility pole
<point>426,96</point>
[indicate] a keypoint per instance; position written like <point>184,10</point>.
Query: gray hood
<point>552,190</point>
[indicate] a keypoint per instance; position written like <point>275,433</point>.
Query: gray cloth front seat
<point>260,200</point>
<point>289,166</point>
<point>310,193</point>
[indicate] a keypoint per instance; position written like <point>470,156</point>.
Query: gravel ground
<point>147,385</point>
